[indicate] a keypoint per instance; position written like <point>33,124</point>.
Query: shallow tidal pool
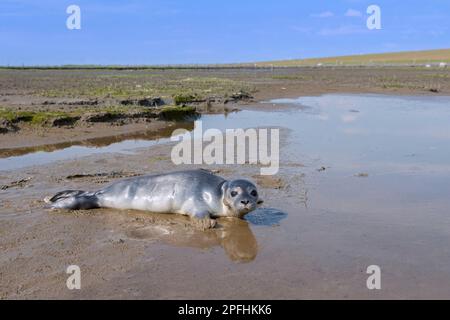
<point>365,181</point>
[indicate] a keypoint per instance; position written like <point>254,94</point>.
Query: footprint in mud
<point>233,235</point>
<point>265,217</point>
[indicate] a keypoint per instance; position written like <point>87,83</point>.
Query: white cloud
<point>325,14</point>
<point>342,30</point>
<point>353,13</point>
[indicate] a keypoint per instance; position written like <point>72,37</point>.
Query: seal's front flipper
<point>73,200</point>
<point>204,223</point>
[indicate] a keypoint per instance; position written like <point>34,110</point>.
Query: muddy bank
<point>37,244</point>
<point>74,105</point>
<point>45,139</point>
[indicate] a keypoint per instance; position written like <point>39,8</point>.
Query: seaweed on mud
<point>181,99</point>
<point>34,117</point>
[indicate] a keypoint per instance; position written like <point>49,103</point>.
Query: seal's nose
<point>245,202</point>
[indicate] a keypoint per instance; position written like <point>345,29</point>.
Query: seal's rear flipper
<point>73,200</point>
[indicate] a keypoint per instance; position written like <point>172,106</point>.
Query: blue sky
<point>210,31</point>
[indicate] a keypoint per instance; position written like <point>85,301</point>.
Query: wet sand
<point>326,218</point>
<point>121,254</point>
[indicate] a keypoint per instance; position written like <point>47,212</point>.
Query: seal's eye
<point>254,193</point>
<point>234,194</point>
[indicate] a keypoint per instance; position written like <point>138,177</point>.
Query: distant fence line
<point>262,66</point>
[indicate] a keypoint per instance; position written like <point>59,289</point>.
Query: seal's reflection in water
<point>232,234</point>
<point>237,239</point>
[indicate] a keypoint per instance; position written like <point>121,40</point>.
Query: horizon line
<point>261,64</point>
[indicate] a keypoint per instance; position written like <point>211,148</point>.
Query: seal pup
<point>197,193</point>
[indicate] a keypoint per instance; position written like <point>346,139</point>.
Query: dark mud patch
<point>82,102</point>
<point>7,126</point>
<point>269,182</point>
<point>178,113</point>
<point>65,121</point>
<point>239,96</point>
<point>362,175</point>
<point>144,102</point>
<point>103,117</point>
<point>101,177</point>
<point>194,99</point>
<point>22,183</point>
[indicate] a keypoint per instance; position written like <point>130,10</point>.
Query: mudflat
<point>352,190</point>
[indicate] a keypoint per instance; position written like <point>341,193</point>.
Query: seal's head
<point>240,197</point>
